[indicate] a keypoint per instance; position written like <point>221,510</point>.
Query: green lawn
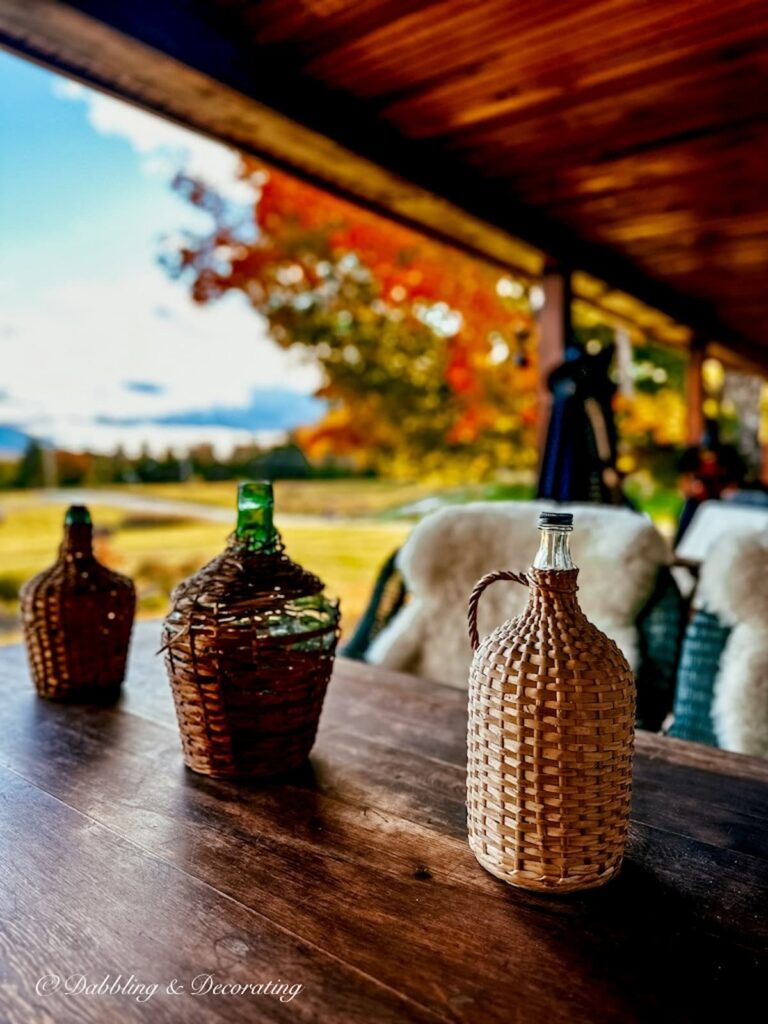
<point>353,498</point>
<point>156,555</point>
<point>343,530</point>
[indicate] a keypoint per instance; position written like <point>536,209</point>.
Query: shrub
<point>10,584</point>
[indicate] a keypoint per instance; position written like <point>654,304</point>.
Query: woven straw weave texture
<point>77,618</point>
<point>550,742</point>
<point>249,647</point>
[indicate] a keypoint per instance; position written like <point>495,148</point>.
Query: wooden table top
<point>351,879</point>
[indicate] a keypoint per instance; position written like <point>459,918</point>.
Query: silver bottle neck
<point>554,549</point>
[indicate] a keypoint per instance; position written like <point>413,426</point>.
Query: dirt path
<point>136,503</point>
<point>150,505</point>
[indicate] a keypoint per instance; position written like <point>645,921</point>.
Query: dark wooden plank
<point>78,899</point>
<point>372,713</point>
<point>721,798</point>
<point>385,708</point>
<point>374,838</point>
<point>302,857</point>
<point>395,703</point>
<point>696,755</point>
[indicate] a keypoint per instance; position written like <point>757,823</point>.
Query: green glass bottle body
<point>249,643</point>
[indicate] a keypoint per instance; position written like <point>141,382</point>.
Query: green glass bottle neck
<point>77,515</point>
<point>78,532</point>
<point>255,510</point>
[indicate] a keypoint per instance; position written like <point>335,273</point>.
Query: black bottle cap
<point>77,515</point>
<point>555,519</point>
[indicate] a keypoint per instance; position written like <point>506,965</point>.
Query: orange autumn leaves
<point>429,368</point>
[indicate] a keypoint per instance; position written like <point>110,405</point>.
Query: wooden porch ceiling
<point>625,138</point>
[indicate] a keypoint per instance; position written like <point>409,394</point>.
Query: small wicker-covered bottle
<point>249,646</point>
<point>551,733</point>
<point>77,618</point>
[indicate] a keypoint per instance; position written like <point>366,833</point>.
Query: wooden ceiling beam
<point>65,39</point>
<point>184,61</point>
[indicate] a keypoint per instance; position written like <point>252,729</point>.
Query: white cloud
<point>66,89</point>
<point>164,148</point>
<point>69,344</point>
<point>67,359</point>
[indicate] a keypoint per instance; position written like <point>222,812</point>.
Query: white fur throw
<point>618,552</point>
<point>734,586</point>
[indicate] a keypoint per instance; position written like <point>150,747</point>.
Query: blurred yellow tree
<point>654,414</point>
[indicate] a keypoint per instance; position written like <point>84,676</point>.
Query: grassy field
<point>158,552</point>
<point>341,529</point>
<point>353,498</point>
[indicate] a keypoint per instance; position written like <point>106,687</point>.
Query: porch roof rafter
<point>413,142</point>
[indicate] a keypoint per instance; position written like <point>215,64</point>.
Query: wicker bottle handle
<point>474,601</point>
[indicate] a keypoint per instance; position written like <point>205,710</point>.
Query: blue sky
<point>60,181</point>
<point>85,311</point>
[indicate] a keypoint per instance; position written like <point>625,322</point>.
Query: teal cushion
<point>703,645</point>
<point>660,627</point>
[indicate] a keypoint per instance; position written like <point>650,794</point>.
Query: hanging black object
<point>579,461</point>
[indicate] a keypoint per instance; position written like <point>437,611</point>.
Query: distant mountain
<point>12,440</point>
<point>273,409</point>
<point>144,387</point>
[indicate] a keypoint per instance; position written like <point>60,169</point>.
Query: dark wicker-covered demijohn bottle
<point>77,619</point>
<point>249,645</point>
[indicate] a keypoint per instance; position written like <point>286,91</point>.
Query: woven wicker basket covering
<point>551,733</point>
<point>249,647</point>
<point>77,618</point>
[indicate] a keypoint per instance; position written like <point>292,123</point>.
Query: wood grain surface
<point>352,877</point>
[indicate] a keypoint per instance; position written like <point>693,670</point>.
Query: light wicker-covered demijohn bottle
<point>551,733</point>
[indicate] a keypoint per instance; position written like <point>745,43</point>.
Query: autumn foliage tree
<point>427,355</point>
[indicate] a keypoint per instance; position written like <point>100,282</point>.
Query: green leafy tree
<point>31,471</point>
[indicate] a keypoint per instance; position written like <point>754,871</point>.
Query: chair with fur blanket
<point>622,559</point>
<point>722,696</point>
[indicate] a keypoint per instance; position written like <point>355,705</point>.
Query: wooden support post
<point>694,392</point>
<point>762,433</point>
<point>555,330</point>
